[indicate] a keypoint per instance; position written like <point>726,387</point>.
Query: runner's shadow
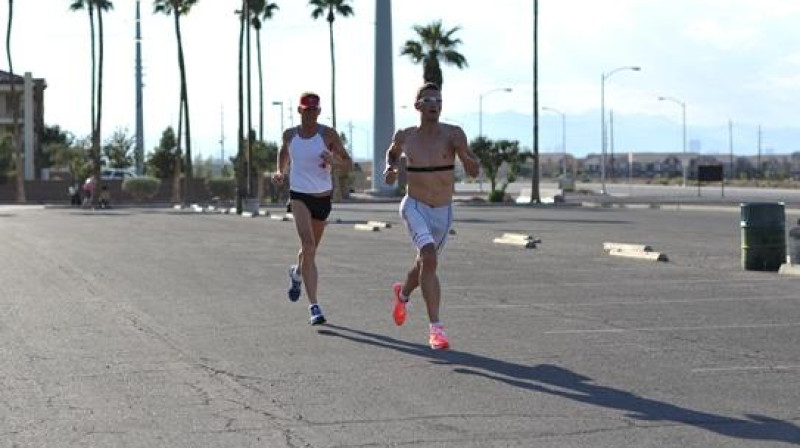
<point>558,381</point>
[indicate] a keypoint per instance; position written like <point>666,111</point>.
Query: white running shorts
<point>426,224</point>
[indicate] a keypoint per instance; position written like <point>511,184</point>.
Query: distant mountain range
<point>632,133</point>
<point>636,133</point>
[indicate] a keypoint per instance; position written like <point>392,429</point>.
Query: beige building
<point>30,117</point>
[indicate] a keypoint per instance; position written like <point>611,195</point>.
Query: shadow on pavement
<point>554,380</point>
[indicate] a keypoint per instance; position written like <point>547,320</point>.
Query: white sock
<point>295,275</point>
<point>436,325</point>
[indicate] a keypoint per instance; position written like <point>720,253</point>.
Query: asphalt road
<point>161,328</point>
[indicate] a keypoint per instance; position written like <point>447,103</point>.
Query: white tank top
<point>308,173</point>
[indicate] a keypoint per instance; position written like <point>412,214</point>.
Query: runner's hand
<point>277,178</point>
<point>389,175</point>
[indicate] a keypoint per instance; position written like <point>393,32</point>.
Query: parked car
<point>117,174</point>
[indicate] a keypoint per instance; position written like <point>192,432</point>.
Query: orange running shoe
<point>438,339</point>
<point>399,312</point>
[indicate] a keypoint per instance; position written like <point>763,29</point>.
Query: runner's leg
<point>429,281</point>
<point>306,257</point>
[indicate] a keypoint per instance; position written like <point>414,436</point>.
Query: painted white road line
<point>628,285</point>
<point>745,369</point>
<point>619,303</point>
<point>672,329</point>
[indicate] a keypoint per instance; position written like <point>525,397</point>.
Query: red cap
<point>309,100</point>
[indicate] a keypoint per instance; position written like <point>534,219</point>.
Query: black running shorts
<point>319,206</point>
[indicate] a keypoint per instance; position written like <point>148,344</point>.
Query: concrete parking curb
<point>517,239</point>
<point>642,255</point>
<point>792,270</point>
<point>638,251</point>
<point>367,227</point>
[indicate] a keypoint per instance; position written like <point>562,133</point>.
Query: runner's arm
<point>283,159</point>
<point>468,158</point>
<point>393,158</point>
<point>341,157</point>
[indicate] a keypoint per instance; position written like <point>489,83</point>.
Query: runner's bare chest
<point>428,151</point>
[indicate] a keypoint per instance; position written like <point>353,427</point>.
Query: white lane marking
<point>667,329</point>
<point>619,303</point>
<point>745,369</point>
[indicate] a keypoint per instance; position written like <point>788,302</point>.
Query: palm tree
<point>261,10</point>
<point>178,8</point>
<point>93,6</point>
<point>435,45</point>
<point>101,5</point>
<point>15,110</point>
<point>330,8</point>
<point>241,167</point>
<point>97,70</point>
<point>78,5</point>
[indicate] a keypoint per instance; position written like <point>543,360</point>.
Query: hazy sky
<point>727,59</point>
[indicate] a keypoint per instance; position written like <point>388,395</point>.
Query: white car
<point>117,174</point>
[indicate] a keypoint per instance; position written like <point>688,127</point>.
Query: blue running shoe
<point>295,286</point>
<point>316,315</point>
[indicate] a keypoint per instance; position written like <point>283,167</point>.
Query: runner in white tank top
<point>311,149</point>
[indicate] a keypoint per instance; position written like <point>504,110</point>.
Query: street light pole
<point>280,134</point>
<point>603,78</point>
<point>480,106</point>
<point>563,136</point>
<point>683,118</point>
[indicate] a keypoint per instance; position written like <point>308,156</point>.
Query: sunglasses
<point>429,100</point>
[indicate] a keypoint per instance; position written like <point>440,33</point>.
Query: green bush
<point>141,188</point>
<point>497,195</point>
<point>222,188</point>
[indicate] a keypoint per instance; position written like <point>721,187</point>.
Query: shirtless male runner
<point>427,208</point>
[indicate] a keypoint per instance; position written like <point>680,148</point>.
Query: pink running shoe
<point>438,339</point>
<point>399,312</point>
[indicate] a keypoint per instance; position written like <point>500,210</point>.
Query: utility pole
<point>222,138</point>
<point>760,170</point>
<point>732,173</point>
<point>535,198</point>
<point>611,141</point>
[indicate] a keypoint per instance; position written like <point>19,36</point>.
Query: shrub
<point>141,188</point>
<point>222,188</point>
<point>497,195</point>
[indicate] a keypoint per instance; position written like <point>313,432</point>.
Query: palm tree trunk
<point>185,104</point>
<point>98,128</point>
<point>176,174</point>
<point>249,84</point>
<point>15,112</point>
<point>333,77</point>
<point>260,88</point>
<point>95,145</point>
<point>337,187</point>
<point>240,137</point>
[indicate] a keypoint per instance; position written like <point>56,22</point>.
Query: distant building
<point>30,116</point>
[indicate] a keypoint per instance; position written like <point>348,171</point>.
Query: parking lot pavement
<point>150,328</point>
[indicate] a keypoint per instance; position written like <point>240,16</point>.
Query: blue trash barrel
<point>763,236</point>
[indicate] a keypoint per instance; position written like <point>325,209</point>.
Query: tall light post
<point>563,136</point>
<point>603,78</point>
<point>280,105</point>
<point>480,106</point>
<point>683,115</point>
